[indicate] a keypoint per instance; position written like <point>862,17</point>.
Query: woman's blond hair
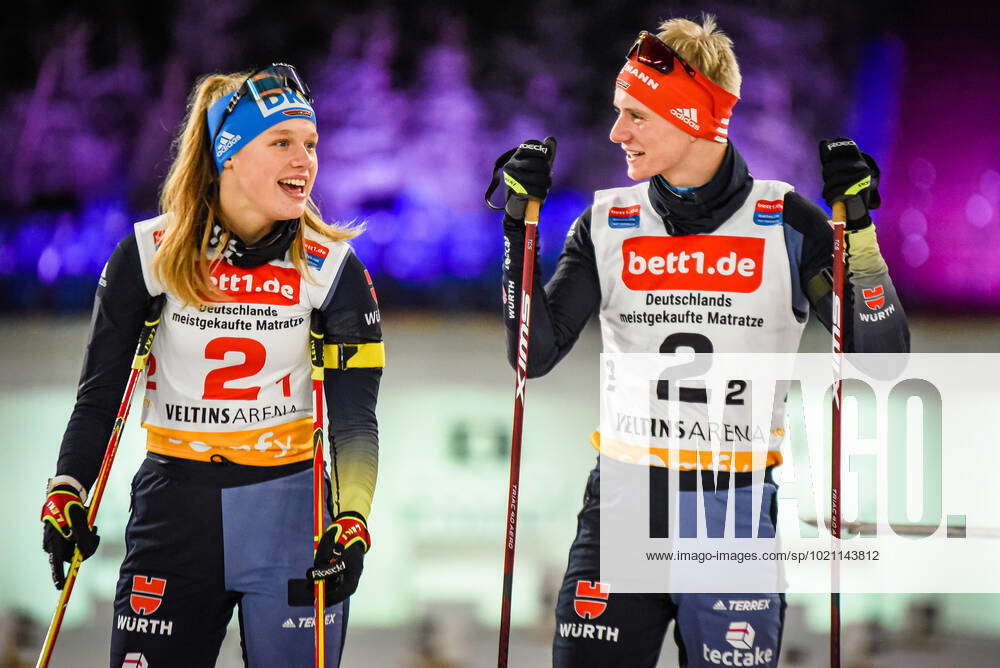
<point>190,196</point>
<point>708,49</point>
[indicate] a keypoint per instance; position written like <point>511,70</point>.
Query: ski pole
<point>319,467</point>
<point>520,380</point>
<point>138,365</point>
<point>837,329</point>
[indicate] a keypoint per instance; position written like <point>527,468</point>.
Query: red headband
<point>694,104</point>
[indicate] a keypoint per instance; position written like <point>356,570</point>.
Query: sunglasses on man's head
<point>653,52</point>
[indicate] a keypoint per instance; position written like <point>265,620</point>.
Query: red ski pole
<point>837,328</point>
<point>319,468</point>
<point>138,365</point>
<point>520,380</point>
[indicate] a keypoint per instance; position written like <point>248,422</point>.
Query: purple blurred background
<point>415,103</point>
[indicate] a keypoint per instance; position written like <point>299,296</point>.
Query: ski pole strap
<point>495,179</point>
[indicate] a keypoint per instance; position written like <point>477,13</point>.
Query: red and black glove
<point>66,529</point>
<point>340,556</point>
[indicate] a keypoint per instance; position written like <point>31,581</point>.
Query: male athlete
<point>694,195</point>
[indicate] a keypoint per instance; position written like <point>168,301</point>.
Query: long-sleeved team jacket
<point>118,315</point>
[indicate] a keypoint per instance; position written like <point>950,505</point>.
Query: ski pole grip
<point>531,211</point>
<point>839,212</point>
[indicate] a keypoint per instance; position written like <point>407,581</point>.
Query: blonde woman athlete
<point>221,513</point>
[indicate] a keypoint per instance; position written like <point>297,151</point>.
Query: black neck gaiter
<point>273,246</point>
<point>703,209</point>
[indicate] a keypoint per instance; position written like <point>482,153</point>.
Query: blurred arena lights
<point>410,128</point>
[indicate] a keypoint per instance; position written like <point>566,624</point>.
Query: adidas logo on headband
<point>226,141</point>
<point>689,116</point>
<point>706,105</point>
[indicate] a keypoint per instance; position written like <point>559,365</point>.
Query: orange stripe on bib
<point>740,461</point>
<point>269,446</point>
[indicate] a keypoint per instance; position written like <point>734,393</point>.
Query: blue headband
<point>249,118</point>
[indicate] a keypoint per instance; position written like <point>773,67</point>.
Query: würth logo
<point>694,262</point>
<point>689,116</point>
<point>586,592</point>
<point>874,297</point>
<point>371,287</point>
<point>147,594</point>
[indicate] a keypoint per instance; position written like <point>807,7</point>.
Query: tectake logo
<point>695,262</point>
<point>586,592</point>
<point>265,284</point>
<point>874,297</point>
<point>768,212</point>
<point>621,217</point>
<point>741,636</point>
<point>135,660</point>
<point>147,594</point>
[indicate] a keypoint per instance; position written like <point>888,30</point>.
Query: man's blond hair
<point>706,48</point>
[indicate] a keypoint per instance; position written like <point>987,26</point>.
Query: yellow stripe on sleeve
<point>354,355</point>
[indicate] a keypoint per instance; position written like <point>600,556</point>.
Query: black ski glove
<point>340,556</point>
<point>852,177</point>
<point>527,171</point>
<point>65,528</point>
